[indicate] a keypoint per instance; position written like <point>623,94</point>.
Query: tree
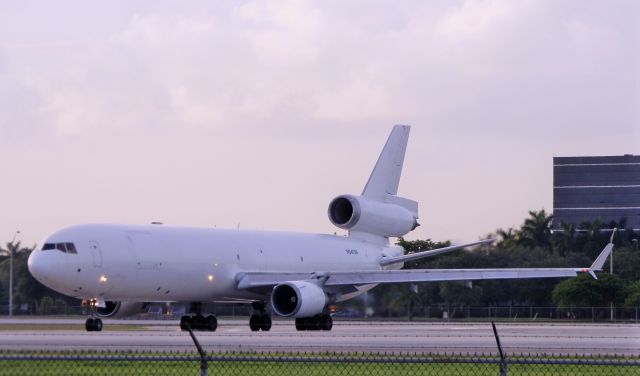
<point>633,295</point>
<point>26,289</point>
<point>507,238</point>
<point>584,291</point>
<point>536,232</point>
<point>564,240</point>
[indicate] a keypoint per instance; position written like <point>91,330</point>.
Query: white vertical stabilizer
<point>385,176</point>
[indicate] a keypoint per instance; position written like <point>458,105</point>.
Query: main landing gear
<point>261,319</point>
<point>93,323</point>
<point>197,321</point>
<point>319,322</point>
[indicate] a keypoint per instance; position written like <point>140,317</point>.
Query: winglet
<point>602,257</point>
<point>385,177</point>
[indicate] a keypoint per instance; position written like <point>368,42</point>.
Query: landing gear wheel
<point>185,322</point>
<point>319,322</point>
<point>210,323</point>
<point>265,322</point>
<point>93,325</point>
<point>254,323</point>
<point>260,322</point>
<point>301,324</point>
<point>199,322</point>
<point>326,322</point>
<point>88,325</point>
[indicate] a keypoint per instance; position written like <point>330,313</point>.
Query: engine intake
<point>298,299</point>
<point>381,218</point>
<point>119,309</point>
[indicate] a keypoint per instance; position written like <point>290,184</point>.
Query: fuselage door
<point>96,253</point>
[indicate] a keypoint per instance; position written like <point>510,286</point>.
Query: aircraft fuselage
<point>166,263</point>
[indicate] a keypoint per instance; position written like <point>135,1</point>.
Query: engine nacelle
<point>381,218</point>
<point>119,309</point>
<point>298,299</point>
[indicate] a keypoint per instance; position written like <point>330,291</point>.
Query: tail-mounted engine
<point>393,218</point>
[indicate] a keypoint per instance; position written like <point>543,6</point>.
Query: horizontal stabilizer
<point>430,253</point>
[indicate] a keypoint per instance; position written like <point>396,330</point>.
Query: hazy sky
<point>259,113</point>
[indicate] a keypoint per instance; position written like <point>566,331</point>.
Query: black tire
<point>301,324</point>
<point>313,323</point>
<point>97,325</point>
<point>265,323</point>
<point>88,325</point>
<point>211,323</point>
<point>254,323</point>
<point>326,322</point>
<point>198,322</point>
<point>185,322</point>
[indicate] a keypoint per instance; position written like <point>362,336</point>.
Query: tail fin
<point>385,176</point>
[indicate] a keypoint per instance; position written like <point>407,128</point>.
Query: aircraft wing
<point>433,252</point>
<point>265,279</point>
<point>439,275</point>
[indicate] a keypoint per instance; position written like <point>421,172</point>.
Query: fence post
<point>503,362</point>
<point>203,355</point>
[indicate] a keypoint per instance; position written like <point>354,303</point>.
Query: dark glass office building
<point>596,188</point>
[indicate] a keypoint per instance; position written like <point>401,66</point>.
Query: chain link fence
<point>158,363</point>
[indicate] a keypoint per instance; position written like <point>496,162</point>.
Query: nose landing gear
<point>93,323</point>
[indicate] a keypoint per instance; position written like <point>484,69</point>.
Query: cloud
<point>142,90</point>
<point>261,61</point>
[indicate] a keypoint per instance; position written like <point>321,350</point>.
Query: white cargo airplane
<point>117,267</point>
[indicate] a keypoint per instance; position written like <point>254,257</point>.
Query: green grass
<point>180,365</point>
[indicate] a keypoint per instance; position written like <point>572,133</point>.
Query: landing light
<point>103,278</point>
<point>211,277</point>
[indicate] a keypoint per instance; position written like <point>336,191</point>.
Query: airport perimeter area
<point>47,346</point>
<point>270,364</point>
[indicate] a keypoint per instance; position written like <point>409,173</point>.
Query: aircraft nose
<point>37,265</point>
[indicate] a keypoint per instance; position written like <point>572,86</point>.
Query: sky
<point>256,114</point>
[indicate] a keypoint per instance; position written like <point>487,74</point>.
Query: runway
<point>346,336</point>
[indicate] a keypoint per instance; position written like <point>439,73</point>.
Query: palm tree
<point>564,238</point>
<point>536,232</point>
<point>508,237</point>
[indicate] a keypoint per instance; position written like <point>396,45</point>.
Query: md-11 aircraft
<point>116,267</point>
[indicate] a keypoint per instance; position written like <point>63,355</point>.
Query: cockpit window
<point>62,247</point>
<point>71,248</point>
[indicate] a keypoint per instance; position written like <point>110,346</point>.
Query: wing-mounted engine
<point>119,309</point>
<point>298,299</point>
<point>393,217</point>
